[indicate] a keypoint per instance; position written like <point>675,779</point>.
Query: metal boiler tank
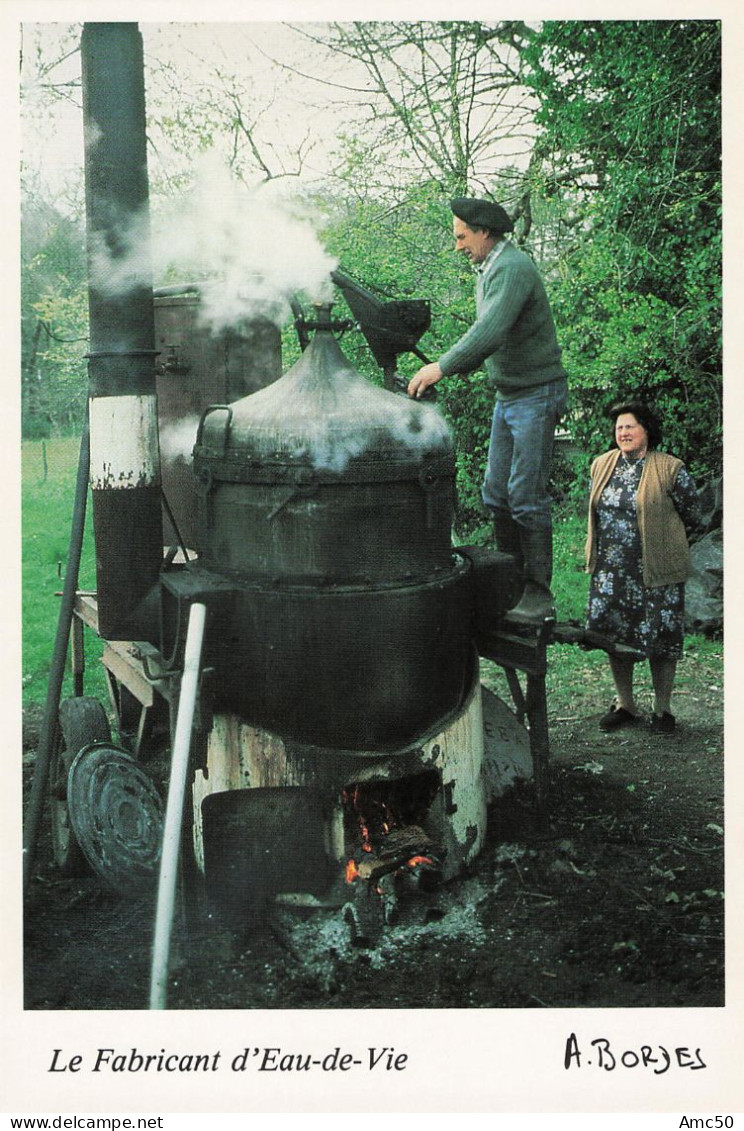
<point>329,512</point>
<point>339,643</point>
<point>197,366</point>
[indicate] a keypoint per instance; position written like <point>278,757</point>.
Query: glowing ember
<point>373,816</point>
<point>352,872</point>
<point>416,860</point>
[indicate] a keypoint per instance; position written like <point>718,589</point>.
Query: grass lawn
<point>48,473</point>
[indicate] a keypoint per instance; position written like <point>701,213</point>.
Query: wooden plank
<point>127,668</point>
<point>86,608</point>
<point>77,655</point>
<point>526,650</point>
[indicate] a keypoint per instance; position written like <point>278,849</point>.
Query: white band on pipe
<point>124,450</point>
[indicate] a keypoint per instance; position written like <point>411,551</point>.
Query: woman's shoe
<point>617,717</point>
<point>663,724</point>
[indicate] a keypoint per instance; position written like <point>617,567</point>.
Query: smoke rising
<point>248,250</point>
<point>120,259</point>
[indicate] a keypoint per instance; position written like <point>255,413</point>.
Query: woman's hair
<point>644,416</point>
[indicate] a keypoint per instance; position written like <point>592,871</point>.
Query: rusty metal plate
<point>261,841</point>
<point>117,815</point>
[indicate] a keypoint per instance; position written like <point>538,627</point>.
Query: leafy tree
<point>54,319</point>
<point>442,98</point>
<point>630,149</point>
<point>601,138</point>
<point>440,112</point>
<point>616,194</point>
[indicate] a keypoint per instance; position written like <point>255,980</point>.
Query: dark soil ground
<point>613,898</point>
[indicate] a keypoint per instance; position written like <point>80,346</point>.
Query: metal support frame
<point>128,667</point>
<point>527,654</point>
<point>526,651</point>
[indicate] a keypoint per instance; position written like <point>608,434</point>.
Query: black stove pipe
<point>125,463</point>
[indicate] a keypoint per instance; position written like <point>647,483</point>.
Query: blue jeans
<point>521,451</point>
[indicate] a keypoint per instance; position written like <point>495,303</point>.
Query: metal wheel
<point>82,720</point>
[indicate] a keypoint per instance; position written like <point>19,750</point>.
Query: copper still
<point>344,614</point>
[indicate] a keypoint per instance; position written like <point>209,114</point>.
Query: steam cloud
<point>249,254</point>
<point>177,439</point>
<point>246,249</point>
<point>368,419</point>
<point>330,416</point>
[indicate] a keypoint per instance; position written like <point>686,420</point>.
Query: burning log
<point>402,867</point>
<point>398,847</point>
<point>376,904</point>
<point>422,874</point>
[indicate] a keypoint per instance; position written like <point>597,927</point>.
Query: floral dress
<point>650,620</point>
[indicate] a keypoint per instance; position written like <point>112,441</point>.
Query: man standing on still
<point>514,337</point>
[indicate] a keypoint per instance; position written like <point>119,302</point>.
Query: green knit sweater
<point>514,333</point>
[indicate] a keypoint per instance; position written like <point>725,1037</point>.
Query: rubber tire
<point>82,720</point>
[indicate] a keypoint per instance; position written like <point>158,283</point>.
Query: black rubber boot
<point>506,534</point>
<point>536,603</point>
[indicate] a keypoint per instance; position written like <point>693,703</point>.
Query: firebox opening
<point>390,824</point>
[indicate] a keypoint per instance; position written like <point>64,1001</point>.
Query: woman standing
<point>642,506</point>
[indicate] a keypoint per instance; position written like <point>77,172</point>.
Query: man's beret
<point>481,214</point>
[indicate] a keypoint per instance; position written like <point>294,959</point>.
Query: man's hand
<point>424,379</point>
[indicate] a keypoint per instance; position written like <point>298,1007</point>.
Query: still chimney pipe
<point>125,462</point>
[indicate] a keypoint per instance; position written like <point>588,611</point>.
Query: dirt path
<point>614,899</point>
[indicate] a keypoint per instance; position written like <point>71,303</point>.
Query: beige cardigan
<point>666,552</point>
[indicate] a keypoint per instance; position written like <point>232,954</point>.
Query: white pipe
<point>174,809</point>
